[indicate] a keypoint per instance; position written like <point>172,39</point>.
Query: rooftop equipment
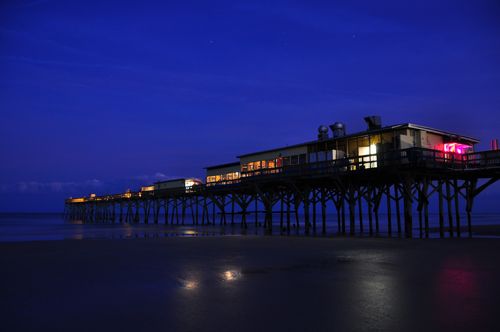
<point>374,122</point>
<point>338,129</point>
<point>323,132</point>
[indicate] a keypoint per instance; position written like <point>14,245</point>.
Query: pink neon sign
<point>456,148</point>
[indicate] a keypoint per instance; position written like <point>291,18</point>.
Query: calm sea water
<point>51,226</point>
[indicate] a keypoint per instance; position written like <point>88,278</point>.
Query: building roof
<point>237,163</point>
<point>170,180</point>
<point>381,130</point>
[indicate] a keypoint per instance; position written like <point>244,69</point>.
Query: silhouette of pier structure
<point>372,169</point>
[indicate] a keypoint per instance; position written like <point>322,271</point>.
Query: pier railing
<point>398,159</point>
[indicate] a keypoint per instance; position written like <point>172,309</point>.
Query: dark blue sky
<point>99,95</point>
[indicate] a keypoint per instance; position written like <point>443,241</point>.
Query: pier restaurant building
<point>357,151</point>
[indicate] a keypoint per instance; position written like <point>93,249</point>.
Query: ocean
<point>51,226</point>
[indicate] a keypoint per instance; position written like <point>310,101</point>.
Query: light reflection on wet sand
<point>251,283</point>
<point>231,275</point>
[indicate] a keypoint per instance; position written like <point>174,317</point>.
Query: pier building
<point>223,174</point>
<point>402,164</point>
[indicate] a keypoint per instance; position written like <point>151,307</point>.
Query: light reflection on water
<point>456,292</point>
<point>231,275</point>
<point>50,226</point>
<point>189,284</point>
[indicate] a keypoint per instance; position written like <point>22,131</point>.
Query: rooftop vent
<point>374,122</point>
<point>323,132</point>
<point>338,129</point>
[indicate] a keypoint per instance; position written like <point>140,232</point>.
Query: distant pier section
<point>399,166</point>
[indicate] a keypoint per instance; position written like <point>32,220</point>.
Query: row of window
<point>274,163</point>
<point>223,177</point>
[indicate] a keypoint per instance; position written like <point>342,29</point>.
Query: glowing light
<point>231,275</point>
<point>456,148</point>
<point>191,182</point>
<point>189,284</point>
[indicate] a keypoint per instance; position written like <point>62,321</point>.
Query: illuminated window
<point>456,148</point>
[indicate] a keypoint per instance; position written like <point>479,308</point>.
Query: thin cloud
<point>94,186</point>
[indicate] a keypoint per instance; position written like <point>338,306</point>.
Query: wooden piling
<point>288,213</point>
<point>370,207</point>
<point>389,216</point>
<point>352,208</point>
<point>398,215</point>
<point>441,213</point>
<point>360,210</point>
<point>448,204</point>
<point>323,209</point>
<point>457,211</point>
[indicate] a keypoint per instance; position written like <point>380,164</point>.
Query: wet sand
<point>251,283</point>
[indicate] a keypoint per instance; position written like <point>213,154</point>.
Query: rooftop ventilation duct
<point>338,129</point>
<point>323,132</point>
<point>374,122</point>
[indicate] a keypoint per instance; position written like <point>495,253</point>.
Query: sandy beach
<point>250,283</point>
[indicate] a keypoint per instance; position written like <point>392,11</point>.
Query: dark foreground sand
<point>251,283</point>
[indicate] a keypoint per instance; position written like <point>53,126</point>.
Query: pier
<point>404,178</point>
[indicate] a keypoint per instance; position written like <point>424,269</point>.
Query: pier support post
<point>360,209</point>
<point>256,212</point>
<point>396,199</point>
<point>343,211</point>
<point>306,214</point>
<point>323,208</point>
<point>441,213</point>
<point>457,212</point>
<point>425,197</point>
<point>352,208</point>
<point>471,187</point>
<point>288,201</point>
<point>407,193</point>
<point>449,197</point>
<point>281,210</point>
<point>370,207</point>
<point>389,215</point>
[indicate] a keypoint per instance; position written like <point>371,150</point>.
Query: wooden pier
<point>402,178</point>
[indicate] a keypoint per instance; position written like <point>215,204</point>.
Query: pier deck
<point>407,176</point>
